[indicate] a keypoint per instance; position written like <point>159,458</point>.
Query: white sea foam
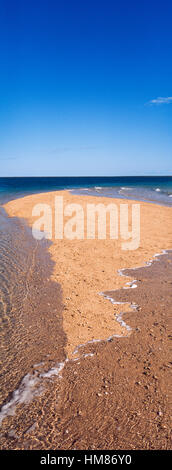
<point>126,188</point>
<point>122,322</point>
<point>130,285</point>
<point>30,387</point>
<point>85,344</point>
<point>118,317</point>
<point>88,355</point>
<point>147,264</point>
<point>55,371</point>
<point>27,390</point>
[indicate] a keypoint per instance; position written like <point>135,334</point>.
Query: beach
<point>95,371</point>
<point>84,268</point>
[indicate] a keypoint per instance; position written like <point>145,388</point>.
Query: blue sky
<point>85,87</point>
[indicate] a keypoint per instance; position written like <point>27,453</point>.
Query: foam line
<point>24,394</point>
<point>55,371</point>
<point>30,386</point>
<point>131,285</point>
<point>145,265</point>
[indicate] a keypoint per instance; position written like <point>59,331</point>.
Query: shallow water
<point>145,193</point>
<point>30,309</point>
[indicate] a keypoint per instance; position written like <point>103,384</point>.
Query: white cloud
<point>161,100</point>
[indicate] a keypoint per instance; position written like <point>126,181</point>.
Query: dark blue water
<point>144,188</point>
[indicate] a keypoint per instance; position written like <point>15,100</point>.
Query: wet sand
<point>120,398</point>
<point>112,394</point>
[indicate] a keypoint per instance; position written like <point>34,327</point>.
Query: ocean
<point>156,189</point>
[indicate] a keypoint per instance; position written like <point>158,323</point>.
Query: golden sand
<point>84,268</point>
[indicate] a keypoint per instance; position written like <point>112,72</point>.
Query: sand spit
<point>84,268</point>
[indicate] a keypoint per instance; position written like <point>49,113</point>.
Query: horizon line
<point>92,176</point>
